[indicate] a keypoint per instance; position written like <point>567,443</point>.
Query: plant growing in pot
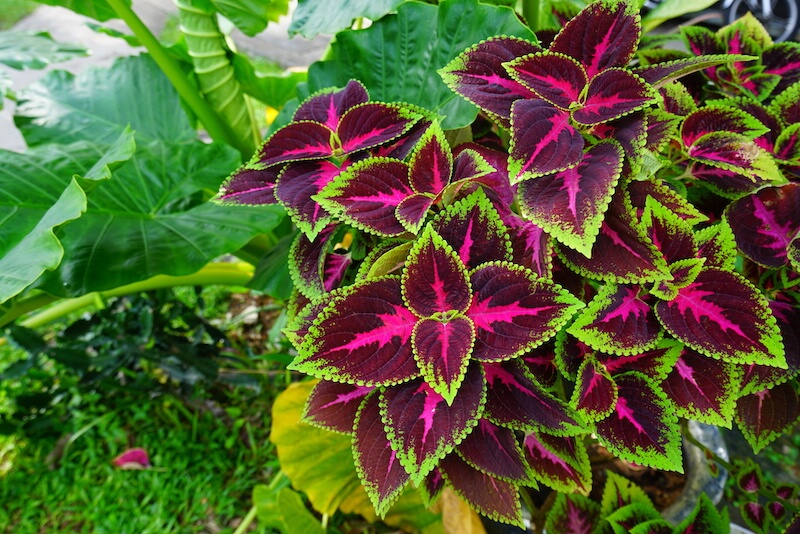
<point>609,248</point>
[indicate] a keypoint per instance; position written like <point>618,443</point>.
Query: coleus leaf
<point>542,140</point>
<point>626,519</point>
<point>661,74</point>
<point>435,281</point>
<point>532,246</point>
<point>618,320</point>
<point>367,195</point>
<point>431,163</point>
<point>249,186</point>
<point>713,118</point>
<point>297,141</point>
<point>378,467</point>
<point>655,363</point>
<point>431,487</point>
<point>628,255</point>
<point>704,518</point>
<point>474,229</point>
<point>334,406</point>
<point>362,336</point>
<point>372,124</point>
<point>765,415</point>
<point>765,222</point>
<point>728,183</point>
<point>717,245</point>
<point>570,204</point>
<point>495,498</point>
<point>618,492</point>
<point>757,377</point>
<point>573,514</point>
<point>749,478</point>
<point>514,311</point>
<point>734,152</point>
<point>442,349</point>
<point>294,189</point>
<point>516,401</point>
<point>307,260</point>
<point>612,94</point>
<point>722,315</point>
<point>704,389</point>
<point>478,75</point>
<point>755,515</point>
<point>556,78</point>
<point>640,190</point>
<point>642,428</point>
<point>671,234</point>
<point>541,363</point>
<point>604,34</point>
<point>561,463</point>
<point>787,145</point>
<point>494,450</point>
<point>423,427</point>
<point>595,392</point>
<point>783,60</point>
<point>328,105</point>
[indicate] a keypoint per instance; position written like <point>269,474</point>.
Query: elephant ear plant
<point>609,249</point>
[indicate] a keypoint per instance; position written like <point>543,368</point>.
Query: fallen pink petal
<point>135,458</point>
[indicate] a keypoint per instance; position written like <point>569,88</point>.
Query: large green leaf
<point>312,17</point>
<point>152,217</point>
<point>5,86</point>
<point>99,103</point>
<point>252,16</point>
<point>397,57</point>
<point>97,9</point>
<point>671,9</point>
<point>272,88</point>
<point>283,510</point>
<point>25,50</point>
<point>39,193</point>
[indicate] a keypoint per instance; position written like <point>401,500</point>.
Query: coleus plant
<point>617,250</point>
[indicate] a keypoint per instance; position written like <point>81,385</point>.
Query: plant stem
<point>217,128</point>
<point>234,274</point>
<point>242,528</point>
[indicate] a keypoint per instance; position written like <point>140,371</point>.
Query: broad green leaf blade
<point>397,58</point>
<point>251,16</point>
<point>312,17</point>
<point>39,250</point>
<point>672,9</point>
<point>37,194</point>
<point>26,50</point>
<point>99,103</point>
<point>5,86</point>
<point>153,217</point>
<point>272,88</point>
<point>97,9</point>
<point>283,509</point>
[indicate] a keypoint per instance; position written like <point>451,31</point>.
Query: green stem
<point>242,528</point>
<point>532,13</point>
<point>234,274</point>
<point>217,128</point>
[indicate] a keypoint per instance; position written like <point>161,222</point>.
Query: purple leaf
<point>561,463</point>
<point>296,185</point>
<point>250,187</point>
<point>622,252</point>
<point>490,496</point>
<point>516,401</point>
<point>783,60</point>
<point>722,315</point>
<point>642,428</point>
<point>473,228</point>
<point>595,392</point>
<point>412,210</point>
<point>442,349</point>
<point>307,260</point>
<point>655,363</point>
<point>514,310</point>
<point>435,281</point>
<point>556,78</point>
<point>532,246</point>
<point>765,222</point>
<point>372,124</point>
<point>718,118</point>
<point>702,388</point>
<point>612,94</point>
<point>573,514</point>
<point>379,469</point>
<point>757,377</point>
<point>602,35</point>
<point>470,163</point>
<point>541,363</point>
<point>767,414</point>
<point>367,194</point>
<point>671,234</point>
<point>297,141</point>
<point>755,515</point>
<point>362,336</point>
<point>660,74</point>
<point>570,204</point>
<point>328,106</point>
<point>334,406</point>
<point>639,190</point>
<point>494,450</point>
<point>423,427</point>
<point>431,487</point>
<point>542,140</point>
<point>750,479</point>
<point>619,320</point>
<point>478,75</point>
<point>431,164</point>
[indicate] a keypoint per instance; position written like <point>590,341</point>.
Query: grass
<point>201,480</point>
<point>15,10</point>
